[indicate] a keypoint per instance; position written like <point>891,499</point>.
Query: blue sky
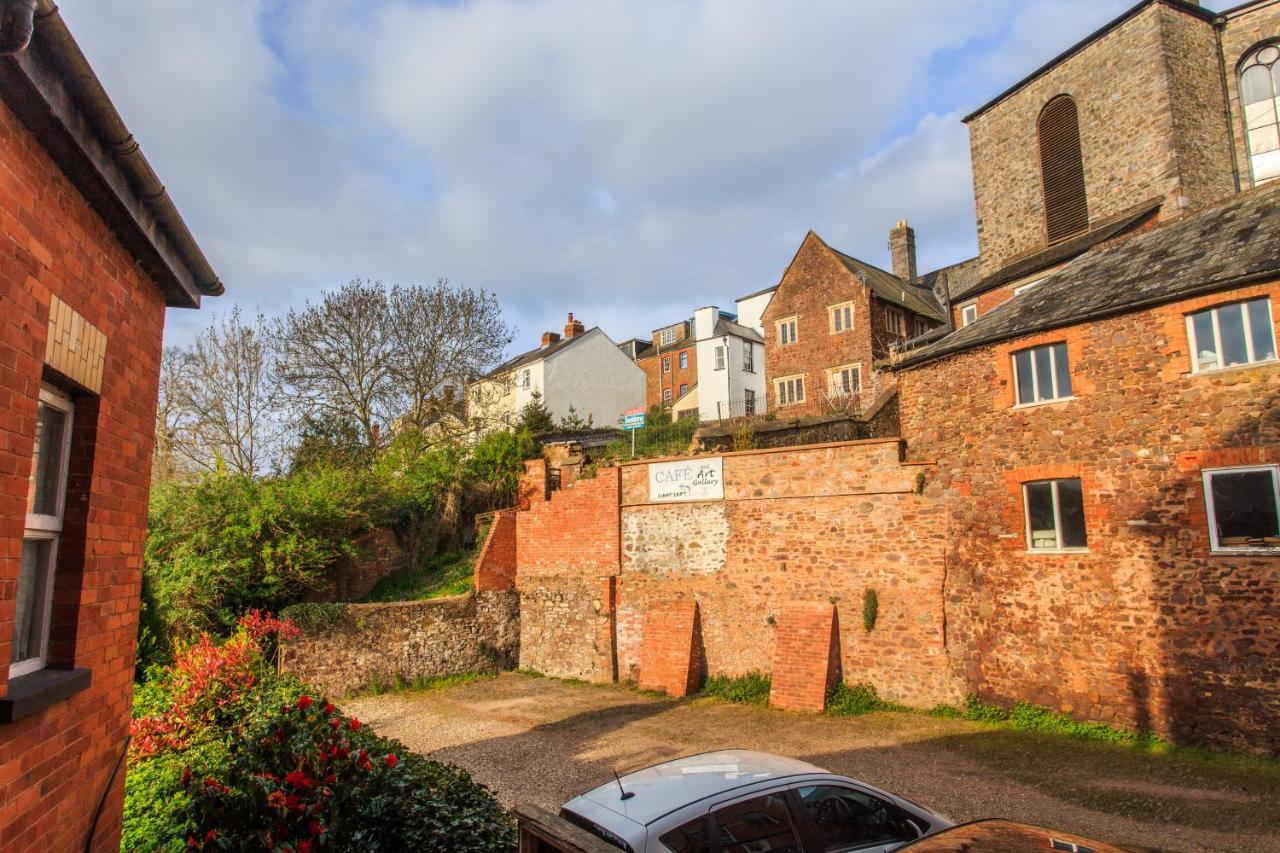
<point>627,161</point>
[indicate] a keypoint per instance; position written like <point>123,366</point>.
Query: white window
<point>787,331</point>
<point>1261,100</point>
<point>46,499</point>
<point>922,326</point>
<point>895,322</point>
<point>684,360</point>
<point>669,335</point>
<point>1244,508</point>
<point>845,381</point>
<point>666,364</point>
<point>1041,374</point>
<point>749,402</point>
<point>841,317</point>
<point>666,395</point>
<point>790,390</point>
<point>1055,515</point>
<point>524,378</point>
<point>1231,335</point>
<point>749,357</point>
<point>968,314</point>
<point>720,358</point>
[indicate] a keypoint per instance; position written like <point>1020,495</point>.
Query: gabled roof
<point>729,327</point>
<point>890,288</point>
<point>1226,246</point>
<point>956,277</point>
<point>760,292</point>
<point>1065,250</point>
<point>539,353</point>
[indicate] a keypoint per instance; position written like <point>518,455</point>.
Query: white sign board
<point>687,480</point>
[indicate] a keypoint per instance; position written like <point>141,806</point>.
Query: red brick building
<point>670,365</point>
<point>91,253</point>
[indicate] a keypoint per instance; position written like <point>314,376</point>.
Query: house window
<point>1244,508</point>
<point>749,357</point>
<point>1231,335</point>
<point>720,358</point>
<point>968,314</point>
<point>1041,374</point>
<point>1055,515</point>
<point>749,403</point>
<point>668,335</point>
<point>46,499</point>
<point>922,326</point>
<point>790,390</point>
<point>1261,99</point>
<point>524,378</point>
<point>841,317</point>
<point>666,395</point>
<point>895,322</point>
<point>666,364</point>
<point>787,331</point>
<point>684,360</point>
<point>1066,209</point>
<point>845,381</point>
<point>684,388</point>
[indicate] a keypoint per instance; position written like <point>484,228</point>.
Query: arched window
<point>1066,211</point>
<point>1259,88</point>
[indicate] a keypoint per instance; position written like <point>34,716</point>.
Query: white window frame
<point>748,403</point>
<point>1023,288</point>
<point>841,318</point>
<point>684,359</point>
<point>525,379</point>
<point>836,374</point>
<point>788,330</point>
<point>785,388</point>
<point>894,317</point>
<point>965,317</point>
<point>1194,349</point>
<point>1035,376</point>
<point>666,364</point>
<point>666,395</point>
<point>668,335</point>
<point>1059,548</point>
<point>748,357</point>
<point>721,358</point>
<point>1207,475</point>
<point>48,528</point>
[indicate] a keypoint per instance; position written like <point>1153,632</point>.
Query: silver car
<point>737,801</point>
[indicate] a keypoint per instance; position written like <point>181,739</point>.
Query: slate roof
<point>890,288</point>
<point>538,353</point>
<point>960,277</point>
<point>729,327</point>
<point>1065,250</point>
<point>1226,246</point>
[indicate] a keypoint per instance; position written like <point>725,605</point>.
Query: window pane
<point>1231,329</point>
<point>1062,369</point>
<point>692,837</point>
<point>33,593</point>
<point>1040,516</point>
<point>757,825</point>
<point>1206,354</point>
<point>1022,364</point>
<point>799,389</point>
<point>1044,373</point>
<point>1244,507</point>
<point>843,818</point>
<point>1255,85</point>
<point>1264,139</point>
<point>46,472</point>
<point>1071,510</point>
<point>1264,340</point>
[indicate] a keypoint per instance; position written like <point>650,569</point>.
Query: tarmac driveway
<point>541,740</point>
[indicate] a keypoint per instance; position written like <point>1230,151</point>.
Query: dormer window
<point>669,335</point>
<point>1066,210</point>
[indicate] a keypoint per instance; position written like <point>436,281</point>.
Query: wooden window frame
<point>793,324</point>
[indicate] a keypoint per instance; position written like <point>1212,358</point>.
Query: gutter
<point>64,104</point>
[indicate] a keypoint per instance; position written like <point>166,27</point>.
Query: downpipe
<point>17,22</point>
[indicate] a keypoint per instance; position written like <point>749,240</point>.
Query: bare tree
<point>335,359</point>
<point>172,418</point>
<point>217,400</point>
<point>443,337</point>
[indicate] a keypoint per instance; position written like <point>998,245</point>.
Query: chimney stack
<point>573,327</point>
<point>549,338</point>
<point>902,248</point>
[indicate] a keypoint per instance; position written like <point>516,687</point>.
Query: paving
<point>541,740</point>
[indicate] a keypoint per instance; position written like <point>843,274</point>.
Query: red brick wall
<point>1148,627</point>
<point>806,660</point>
<point>55,765</point>
<point>655,379</point>
<point>496,563</point>
<point>672,653</point>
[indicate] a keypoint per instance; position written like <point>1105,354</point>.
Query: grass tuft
<point>1026,717</point>
<point>749,689</point>
<point>851,700</point>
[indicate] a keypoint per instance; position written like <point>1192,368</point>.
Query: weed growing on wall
<point>749,689</point>
<point>851,700</point>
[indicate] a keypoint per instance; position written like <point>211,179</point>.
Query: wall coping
<point>762,450</point>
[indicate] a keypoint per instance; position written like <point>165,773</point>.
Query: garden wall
<point>381,643</point>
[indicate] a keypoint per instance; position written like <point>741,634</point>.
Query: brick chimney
<point>902,247</point>
<point>549,338</point>
<point>573,327</point>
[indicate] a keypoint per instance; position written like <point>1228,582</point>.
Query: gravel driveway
<point>543,741</point>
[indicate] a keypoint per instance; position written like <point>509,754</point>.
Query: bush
<point>750,689</point>
<point>851,700</point>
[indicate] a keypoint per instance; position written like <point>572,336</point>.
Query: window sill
<point>1055,551</point>
<point>1039,403</point>
<point>1245,552</point>
<point>1217,371</point>
<point>37,691</point>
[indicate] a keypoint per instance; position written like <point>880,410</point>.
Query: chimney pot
<point>549,338</point>
<point>573,327</point>
<point>902,248</point>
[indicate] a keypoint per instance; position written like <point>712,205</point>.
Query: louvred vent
<point>1066,211</point>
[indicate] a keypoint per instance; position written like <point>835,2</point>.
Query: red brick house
<point>834,317</point>
<point>92,252</point>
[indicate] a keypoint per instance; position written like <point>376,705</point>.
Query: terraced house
<point>92,252</point>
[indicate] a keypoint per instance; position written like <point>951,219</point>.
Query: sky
<point>626,161</point>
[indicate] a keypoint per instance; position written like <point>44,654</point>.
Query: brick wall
<point>496,563</point>
<point>1148,627</point>
<point>655,380</point>
<point>376,644</point>
<point>54,766</point>
<point>377,554</point>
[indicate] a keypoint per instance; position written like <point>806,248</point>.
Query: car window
<point>760,825</point>
<point>846,819</point>
<point>691,837</point>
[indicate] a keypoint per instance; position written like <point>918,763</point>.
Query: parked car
<point>753,802</point>
<point>1003,836</point>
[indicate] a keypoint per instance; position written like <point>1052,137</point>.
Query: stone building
<point>92,252</point>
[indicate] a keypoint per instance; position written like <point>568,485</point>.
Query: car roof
<point>671,785</point>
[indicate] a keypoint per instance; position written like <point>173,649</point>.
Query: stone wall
<point>1240,35</point>
<point>378,644</point>
<point>1148,628</point>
